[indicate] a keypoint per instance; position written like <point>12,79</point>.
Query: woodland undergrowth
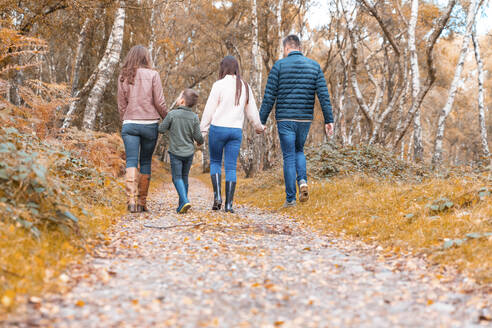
<point>59,192</point>
<point>58,196</point>
<point>365,193</point>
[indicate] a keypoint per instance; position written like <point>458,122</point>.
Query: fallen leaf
<point>64,278</point>
<point>6,301</point>
<point>35,300</point>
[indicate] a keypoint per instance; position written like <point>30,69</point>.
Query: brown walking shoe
<point>303,191</point>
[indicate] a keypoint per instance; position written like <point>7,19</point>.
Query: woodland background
<point>402,74</point>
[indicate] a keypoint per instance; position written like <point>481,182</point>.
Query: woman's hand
<point>260,130</point>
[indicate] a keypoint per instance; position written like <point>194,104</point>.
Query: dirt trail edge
<point>250,269</point>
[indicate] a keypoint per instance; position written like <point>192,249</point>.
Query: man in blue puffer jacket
<point>292,84</point>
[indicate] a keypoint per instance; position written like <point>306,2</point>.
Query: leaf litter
<point>228,272</point>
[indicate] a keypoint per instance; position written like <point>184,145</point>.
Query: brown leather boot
<point>143,190</point>
<point>131,179</point>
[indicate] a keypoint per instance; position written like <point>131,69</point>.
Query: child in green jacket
<point>184,129</point>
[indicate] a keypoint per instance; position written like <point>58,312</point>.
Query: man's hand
<point>260,130</point>
<point>329,129</point>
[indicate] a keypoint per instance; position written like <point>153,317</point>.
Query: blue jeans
<point>180,169</point>
<point>139,140</point>
<point>293,136</point>
<point>224,140</point>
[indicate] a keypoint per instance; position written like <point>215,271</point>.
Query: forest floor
<point>255,268</point>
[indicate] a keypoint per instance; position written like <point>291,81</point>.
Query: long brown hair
<point>230,66</point>
<point>137,57</point>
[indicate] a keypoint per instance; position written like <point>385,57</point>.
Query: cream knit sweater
<point>221,110</point>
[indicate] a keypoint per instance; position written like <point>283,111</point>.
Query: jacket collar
<point>185,108</point>
<point>295,53</point>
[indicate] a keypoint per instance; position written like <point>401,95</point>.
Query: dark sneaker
<point>303,191</point>
<point>290,204</point>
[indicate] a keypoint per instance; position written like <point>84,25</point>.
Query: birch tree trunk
<point>433,35</point>
<point>106,67</point>
<point>251,152</point>
<point>341,121</point>
<point>269,138</point>
<point>418,146</point>
<point>481,104</point>
<point>257,61</point>
<point>418,150</point>
<point>152,32</point>
<point>78,56</point>
<point>74,93</point>
<point>441,125</point>
<point>280,6</point>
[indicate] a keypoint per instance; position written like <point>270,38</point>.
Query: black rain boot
<point>230,189</point>
<point>216,183</point>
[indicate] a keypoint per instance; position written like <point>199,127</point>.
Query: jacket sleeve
<point>166,124</point>
<point>271,92</point>
<point>252,111</point>
<point>122,100</point>
<point>158,95</point>
<point>197,134</point>
<point>210,108</point>
<point>324,97</point>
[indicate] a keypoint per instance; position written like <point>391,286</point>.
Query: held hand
<point>329,129</point>
<point>260,130</point>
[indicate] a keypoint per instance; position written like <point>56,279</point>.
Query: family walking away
<point>292,86</point>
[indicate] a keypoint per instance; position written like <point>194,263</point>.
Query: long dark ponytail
<point>230,66</point>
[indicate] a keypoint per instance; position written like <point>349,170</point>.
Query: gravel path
<point>251,269</point>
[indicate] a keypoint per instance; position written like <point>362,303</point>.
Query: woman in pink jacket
<point>141,105</point>
<point>229,101</point>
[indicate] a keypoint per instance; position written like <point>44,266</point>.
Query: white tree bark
<point>418,146</point>
<point>433,35</point>
<point>414,66</point>
<point>280,6</point>
<point>409,151</point>
<point>481,104</point>
<point>441,125</point>
<point>257,61</point>
<point>341,108</point>
<point>67,122</point>
<point>106,67</point>
<point>78,56</point>
<point>152,31</point>
<point>251,152</point>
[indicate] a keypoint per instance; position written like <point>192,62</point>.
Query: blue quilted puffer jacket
<point>293,83</point>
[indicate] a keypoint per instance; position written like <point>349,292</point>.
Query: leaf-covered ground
<point>366,193</point>
<point>251,269</point>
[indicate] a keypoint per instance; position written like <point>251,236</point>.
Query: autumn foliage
<point>56,190</point>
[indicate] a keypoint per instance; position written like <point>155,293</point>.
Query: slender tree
<point>408,118</point>
<point>481,104</point>
<point>106,67</point>
<point>414,66</point>
<point>441,124</point>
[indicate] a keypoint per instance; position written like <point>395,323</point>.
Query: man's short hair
<point>190,97</point>
<point>292,41</point>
